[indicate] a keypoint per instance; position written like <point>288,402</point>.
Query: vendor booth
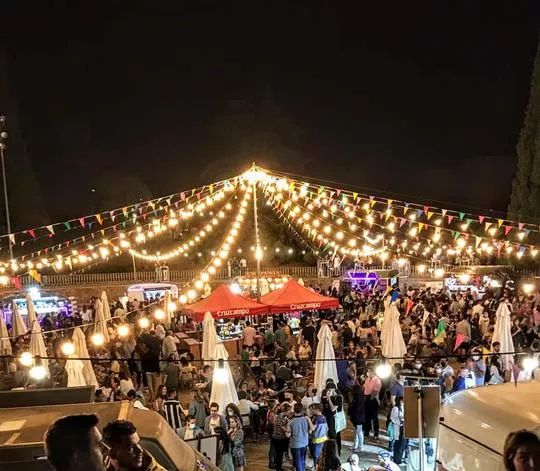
<point>151,291</point>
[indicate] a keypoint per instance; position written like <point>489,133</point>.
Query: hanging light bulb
<point>98,339</point>
<point>159,314</point>
<point>144,323</point>
<point>171,306</point>
<point>199,284</point>
<point>191,294</point>
<point>123,330</point>
<point>38,372</point>
<point>68,348</point>
<point>383,370</point>
<point>26,359</point>
<point>183,299</point>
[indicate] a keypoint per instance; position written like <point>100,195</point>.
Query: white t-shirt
<point>249,335</point>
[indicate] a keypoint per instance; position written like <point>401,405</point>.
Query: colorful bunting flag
<point>50,229</point>
<point>99,219</point>
<point>481,219</point>
<point>81,222</point>
<point>450,218</point>
<point>461,216</point>
<point>12,238</point>
<point>507,229</point>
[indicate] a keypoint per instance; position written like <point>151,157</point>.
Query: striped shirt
<point>173,413</point>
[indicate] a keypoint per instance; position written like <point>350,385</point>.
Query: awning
<point>223,303</point>
<point>295,297</point>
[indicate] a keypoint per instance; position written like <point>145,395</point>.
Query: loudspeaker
<point>431,404</point>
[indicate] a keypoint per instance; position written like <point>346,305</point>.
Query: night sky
<point>130,99</point>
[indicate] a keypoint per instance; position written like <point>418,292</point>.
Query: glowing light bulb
<point>98,339</point>
<point>171,306</point>
<point>191,294</point>
<point>220,373</point>
<point>123,330</point>
<point>38,372</point>
<point>68,348</point>
<point>144,323</point>
<point>384,370</point>
<point>199,284</point>
<point>159,314</point>
<point>183,299</point>
<point>26,359</point>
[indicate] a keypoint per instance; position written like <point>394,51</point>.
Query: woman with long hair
<point>522,451</point>
<point>329,459</point>
<point>236,436</point>
<point>357,414</point>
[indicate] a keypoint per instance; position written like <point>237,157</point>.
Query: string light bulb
<point>26,359</point>
<point>98,339</point>
<point>144,323</point>
<point>159,314</point>
<point>68,348</point>
<point>123,330</point>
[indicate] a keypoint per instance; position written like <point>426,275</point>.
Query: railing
<point>185,276</point>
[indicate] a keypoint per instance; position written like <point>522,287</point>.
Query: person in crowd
<point>385,463</point>
<point>215,419</point>
<point>125,451</point>
<point>310,397</point>
<point>372,388</point>
<point>135,400</point>
<point>357,414</point>
<point>150,368</point>
<point>248,335</point>
<point>395,430</point>
<point>190,431</point>
<point>300,427</point>
<point>232,410</point>
<point>197,408</point>
<point>332,403</point>
<point>522,451</point>
<point>172,410</point>
<point>74,442</point>
<point>171,374</point>
<point>236,436</point>
<point>319,433</point>
<point>352,464</point>
<point>329,458</point>
<point>280,435</point>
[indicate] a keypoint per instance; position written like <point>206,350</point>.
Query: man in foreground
<point>74,443</point>
<point>126,454</point>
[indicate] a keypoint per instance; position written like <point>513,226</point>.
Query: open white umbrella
<point>81,351</point>
<point>37,344</point>
<point>5,343</point>
<point>210,339</point>
<point>327,369</point>
<point>223,387</point>
<point>31,310</point>
<point>100,322</point>
<point>503,335</point>
<point>392,343</point>
<point>17,324</point>
<point>106,306</point>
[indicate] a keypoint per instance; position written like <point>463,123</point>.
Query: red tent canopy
<point>295,297</point>
<point>223,303</point>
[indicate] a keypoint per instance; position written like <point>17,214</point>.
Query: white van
<point>474,424</point>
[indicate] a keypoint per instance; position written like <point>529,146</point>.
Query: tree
<point>525,198</point>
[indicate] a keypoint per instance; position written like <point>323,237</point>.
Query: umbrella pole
<point>257,253</point>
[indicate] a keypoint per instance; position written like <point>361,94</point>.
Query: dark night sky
<point>417,98</point>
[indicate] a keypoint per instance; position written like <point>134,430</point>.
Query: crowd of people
<point>275,372</point>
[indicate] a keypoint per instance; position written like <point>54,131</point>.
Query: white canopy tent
<point>223,387</point>
<point>503,335</point>
<point>327,369</point>
<point>37,344</point>
<point>81,351</point>
<point>5,343</point>
<point>392,343</point>
<point>31,310</point>
<point>210,339</point>
<point>100,322</point>
<point>106,306</point>
<point>17,324</point>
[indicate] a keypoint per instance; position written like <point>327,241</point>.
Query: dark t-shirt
<point>150,362</point>
<point>308,333</point>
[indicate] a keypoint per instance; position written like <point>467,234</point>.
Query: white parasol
<point>5,343</point>
<point>106,306</point>
<point>301,281</point>
<point>210,339</point>
<point>327,369</point>
<point>81,351</point>
<point>167,308</point>
<point>264,286</point>
<point>100,323</point>
<point>17,324</point>
<point>37,344</point>
<point>75,372</point>
<point>392,343</point>
<point>31,310</point>
<point>223,387</point>
<point>503,335</point>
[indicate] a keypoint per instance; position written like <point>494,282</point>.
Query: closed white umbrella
<point>5,343</point>
<point>327,369</point>
<point>17,324</point>
<point>301,281</point>
<point>265,287</point>
<point>81,351</point>
<point>209,340</point>
<point>31,310</point>
<point>168,308</point>
<point>37,344</point>
<point>74,370</point>
<point>392,343</point>
<point>106,306</point>
<point>223,387</point>
<point>503,335</point>
<point>100,323</point>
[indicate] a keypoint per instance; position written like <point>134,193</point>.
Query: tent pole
<point>257,252</point>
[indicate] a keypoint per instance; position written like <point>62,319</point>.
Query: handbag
<point>341,421</point>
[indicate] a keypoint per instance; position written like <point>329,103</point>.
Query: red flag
<point>32,233</point>
<point>460,338</point>
<point>409,306</point>
<point>507,229</point>
<point>17,282</point>
<point>481,219</point>
<point>81,221</point>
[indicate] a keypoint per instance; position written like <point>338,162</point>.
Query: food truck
<point>151,291</point>
<point>44,303</point>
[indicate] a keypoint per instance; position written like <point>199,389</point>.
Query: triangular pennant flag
<point>488,224</point>
<point>50,229</point>
<point>507,229</point>
<point>450,217</point>
<point>102,232</point>
<point>338,192</point>
<point>198,196</point>
<point>500,222</point>
<point>481,219</point>
<point>355,195</point>
<point>111,213</point>
<point>34,274</point>
<point>429,214</point>
<point>99,219</point>
<point>444,211</point>
<point>405,208</point>
<point>125,212</point>
<point>456,234</point>
<point>460,338</point>
<point>12,238</point>
<point>81,222</point>
<point>520,226</point>
<point>426,209</point>
<point>461,216</point>
<point>389,202</point>
<point>419,212</point>
<point>32,232</point>
<point>182,196</point>
<point>420,226</point>
<point>68,262</point>
<point>402,222</point>
<point>478,240</point>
